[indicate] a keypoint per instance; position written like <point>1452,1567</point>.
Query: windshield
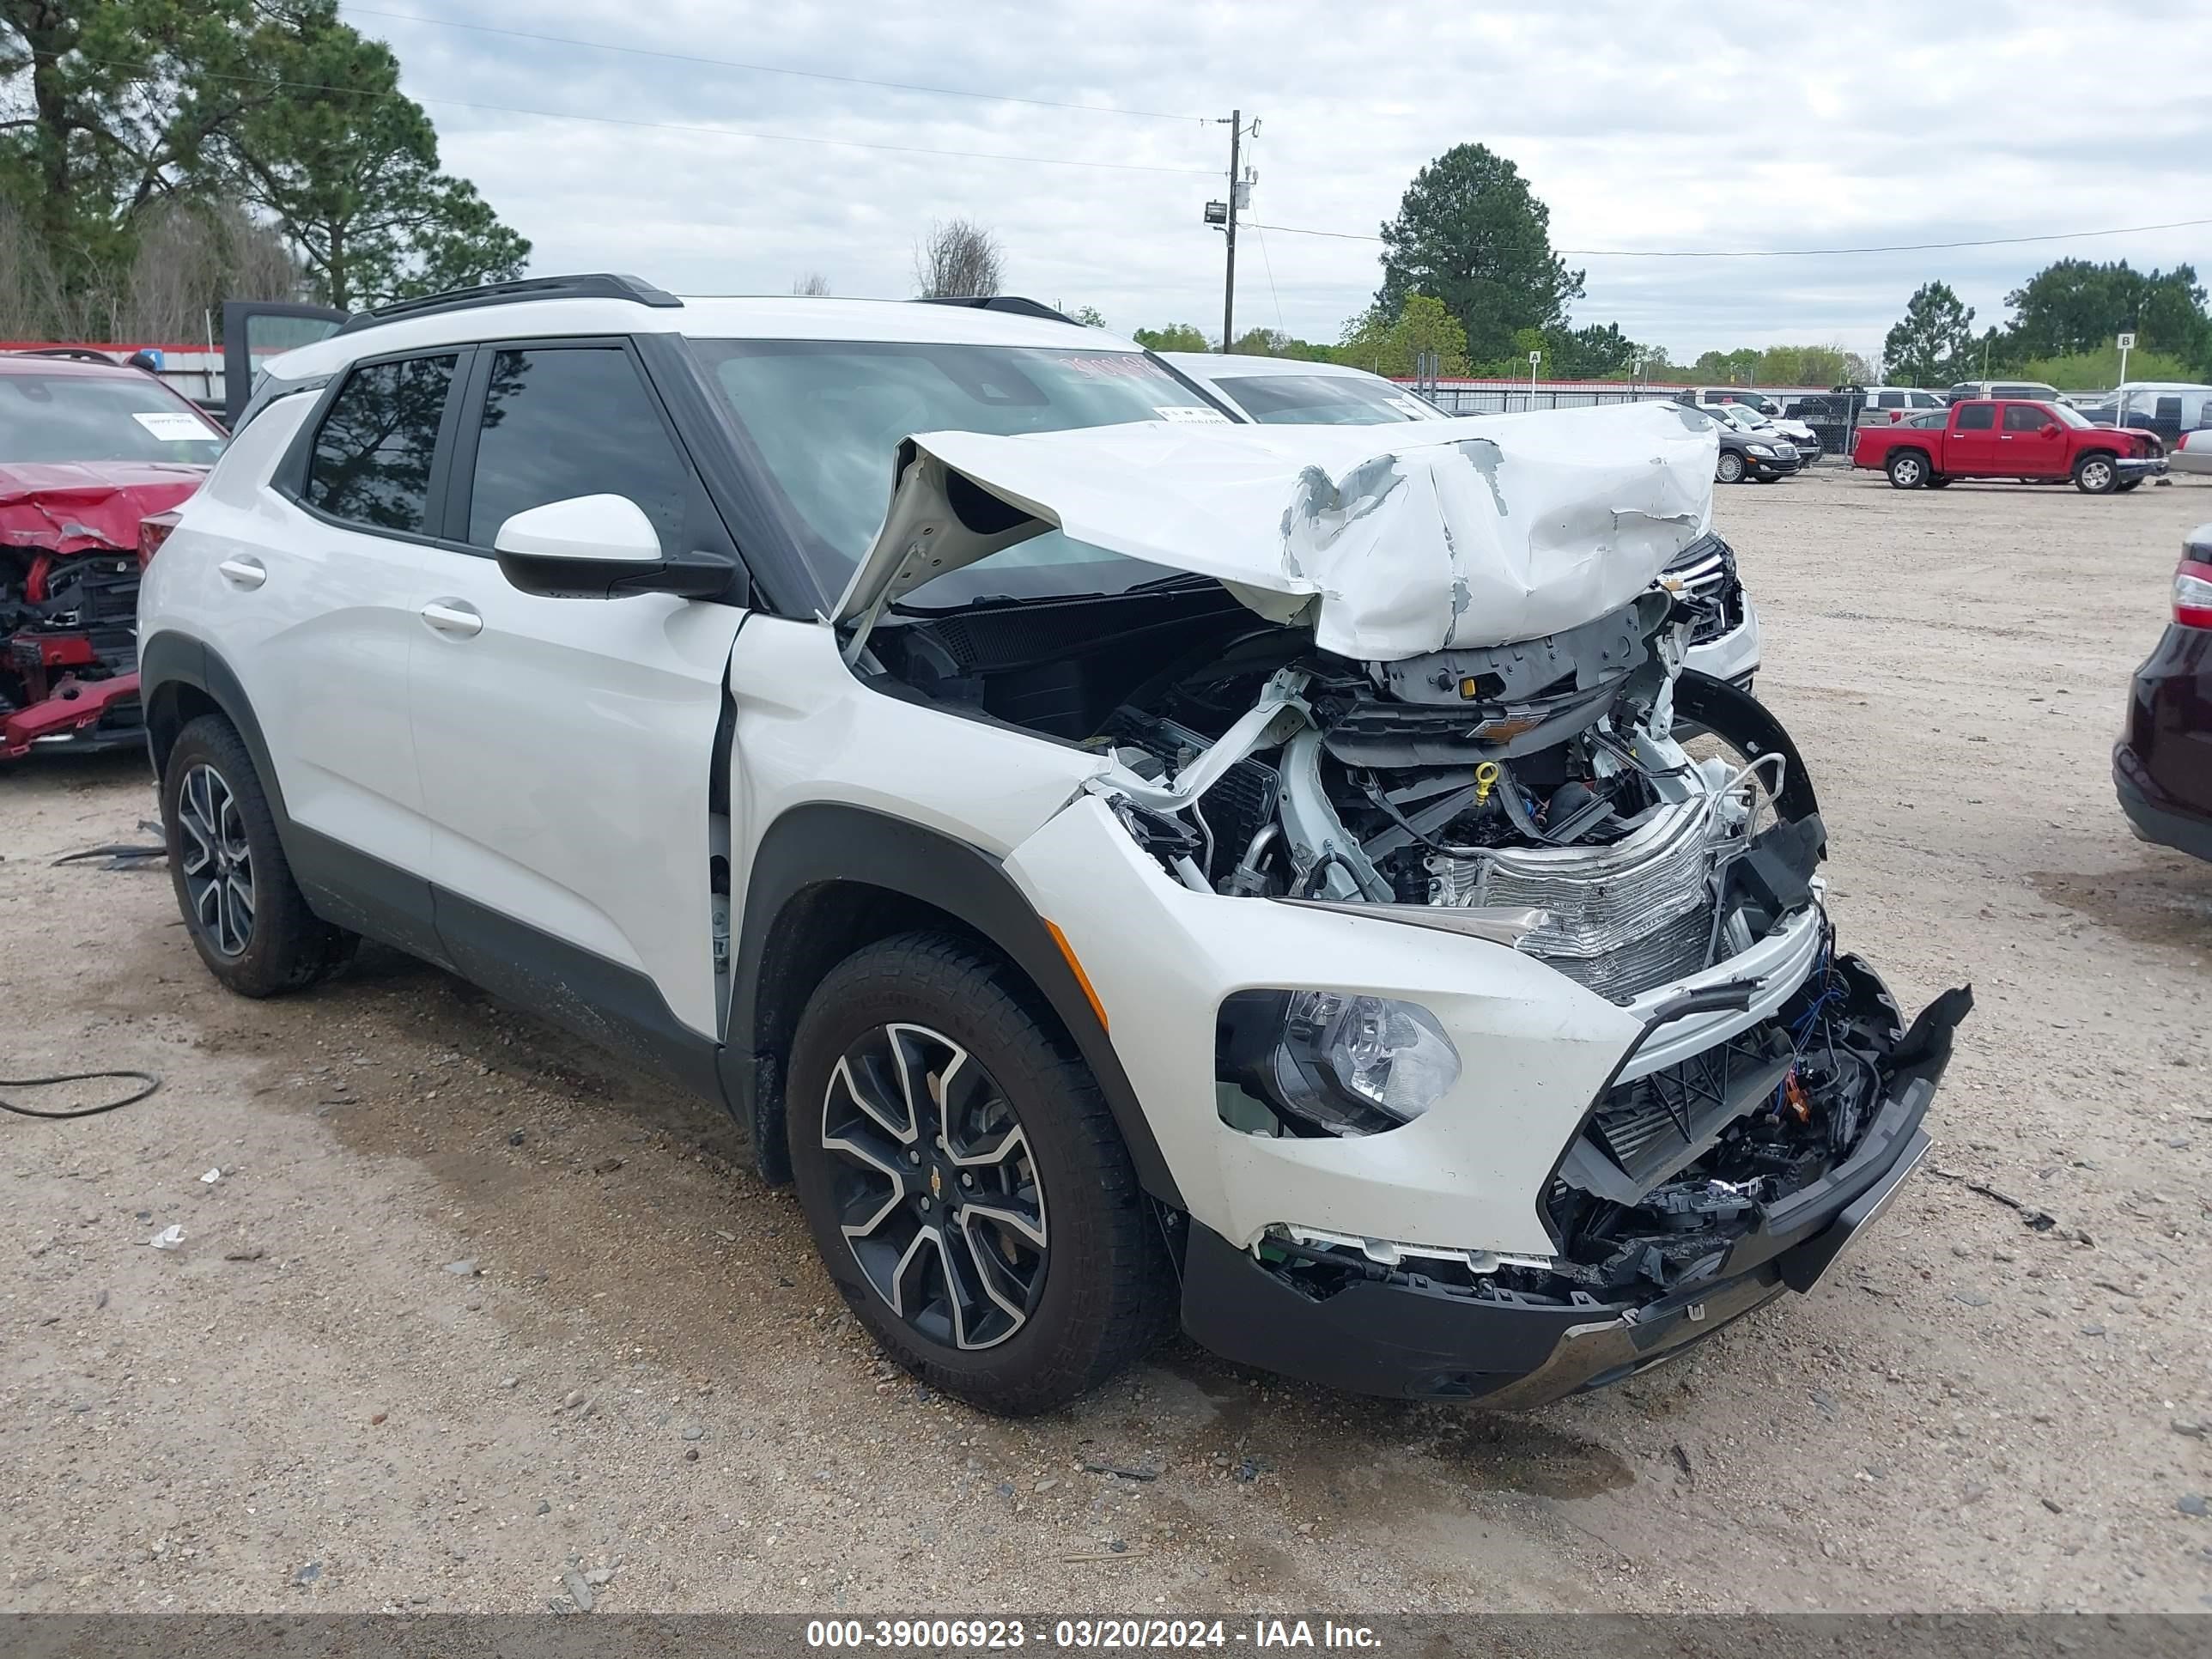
<point>1323,400</point>
<point>97,417</point>
<point>2066,414</point>
<point>828,416</point>
<point>1737,416</point>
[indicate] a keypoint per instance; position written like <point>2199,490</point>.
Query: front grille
<point>1707,573</point>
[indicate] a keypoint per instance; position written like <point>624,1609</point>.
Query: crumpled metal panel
<point>1394,540</point>
<point>79,507</point>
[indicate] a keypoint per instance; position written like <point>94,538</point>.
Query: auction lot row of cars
<point>1141,842</point>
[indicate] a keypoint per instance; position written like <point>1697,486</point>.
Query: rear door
<point>256,330</point>
<point>1970,447</point>
<point>317,616</point>
<point>2033,441</point>
<point>567,746</point>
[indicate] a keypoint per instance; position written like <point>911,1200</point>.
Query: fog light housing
<point>1338,1062</point>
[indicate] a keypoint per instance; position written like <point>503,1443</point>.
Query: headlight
<point>1760,449</point>
<point>1341,1063</point>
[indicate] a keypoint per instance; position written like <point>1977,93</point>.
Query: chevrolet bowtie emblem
<point>936,1184</point>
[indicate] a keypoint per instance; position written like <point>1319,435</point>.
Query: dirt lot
<point>469,1309</point>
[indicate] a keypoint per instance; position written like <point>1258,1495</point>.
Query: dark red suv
<point>2162,764</point>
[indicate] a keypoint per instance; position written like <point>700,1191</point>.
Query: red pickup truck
<point>1999,437</point>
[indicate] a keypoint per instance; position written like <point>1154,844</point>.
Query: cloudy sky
<point>1650,128</point>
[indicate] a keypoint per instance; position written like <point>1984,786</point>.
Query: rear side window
<point>371,462</point>
<point>1889,400</point>
<point>2023,417</point>
<point>560,422</point>
<point>1978,417</point>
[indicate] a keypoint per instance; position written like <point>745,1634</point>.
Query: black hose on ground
<point>148,1081</point>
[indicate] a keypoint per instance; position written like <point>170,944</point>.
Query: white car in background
<point>1285,392</point>
<point>2192,451</point>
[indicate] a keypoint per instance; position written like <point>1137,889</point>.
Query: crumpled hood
<point>1394,541</point>
<point>74,507</point>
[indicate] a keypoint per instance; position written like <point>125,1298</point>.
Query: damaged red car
<point>88,447</point>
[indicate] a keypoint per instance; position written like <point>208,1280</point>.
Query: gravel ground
<point>472,1320</point>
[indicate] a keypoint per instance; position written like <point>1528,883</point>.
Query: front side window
<point>560,422</point>
<point>78,417</point>
<point>1323,400</point>
<point>828,417</point>
<point>371,462</point>
<point>1978,417</point>
<point>2026,417</point>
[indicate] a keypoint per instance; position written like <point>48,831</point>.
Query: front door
<point>2034,442</point>
<point>1970,448</point>
<point>567,746</point>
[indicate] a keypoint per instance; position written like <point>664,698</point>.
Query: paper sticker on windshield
<point>1412,406</point>
<point>1190,414</point>
<point>171,426</point>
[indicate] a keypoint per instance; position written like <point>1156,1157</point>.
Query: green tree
<point>1392,345</point>
<point>1175,336</point>
<point>2078,306</point>
<point>347,165</point>
<point>2100,371</point>
<point>1471,234</point>
<point>276,104</point>
<point>1933,343</point>
<point>1089,316</point>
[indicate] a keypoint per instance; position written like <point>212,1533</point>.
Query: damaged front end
<point>1385,746</point>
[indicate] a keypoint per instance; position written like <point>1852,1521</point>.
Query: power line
<point>767,68</point>
<point>1786,252</point>
<point>678,126</point>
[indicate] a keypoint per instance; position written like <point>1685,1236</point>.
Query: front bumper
<point>1400,1333</point>
<point>1735,655</point>
<point>81,714</point>
<point>1764,466</point>
<point>2143,466</point>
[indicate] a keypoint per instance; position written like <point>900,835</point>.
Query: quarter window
<point>371,463</point>
<point>570,421</point>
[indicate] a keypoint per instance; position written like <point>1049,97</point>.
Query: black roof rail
<point>73,354</point>
<point>1013,304</point>
<point>592,285</point>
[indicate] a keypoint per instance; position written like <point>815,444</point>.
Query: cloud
<point>1643,127</point>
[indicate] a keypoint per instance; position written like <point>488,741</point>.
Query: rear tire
<point>1907,469</point>
<point>1015,1278</point>
<point>1729,469</point>
<point>244,914</point>
<point>2096,474</point>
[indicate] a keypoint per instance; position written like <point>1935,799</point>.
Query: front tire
<point>964,1180</point>
<point>245,913</point>
<point>1907,469</point>
<point>2096,474</point>
<point>1730,468</point>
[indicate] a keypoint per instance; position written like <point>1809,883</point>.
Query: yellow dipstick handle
<point>1485,779</point>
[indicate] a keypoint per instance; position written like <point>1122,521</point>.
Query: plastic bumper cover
<point>1399,1333</point>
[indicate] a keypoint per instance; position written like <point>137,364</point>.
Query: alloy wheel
<point>2097,476</point>
<point>935,1187</point>
<point>216,861</point>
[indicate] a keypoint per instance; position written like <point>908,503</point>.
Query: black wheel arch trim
<point>1737,715</point>
<point>824,845</point>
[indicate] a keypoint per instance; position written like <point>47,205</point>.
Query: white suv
<point>1122,866</point>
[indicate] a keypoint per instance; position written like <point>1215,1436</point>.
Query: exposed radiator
<point>1621,918</point>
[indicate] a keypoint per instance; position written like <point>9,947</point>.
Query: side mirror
<point>2049,429</point>
<point>600,547</point>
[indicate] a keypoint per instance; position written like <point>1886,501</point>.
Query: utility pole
<point>1239,194</point>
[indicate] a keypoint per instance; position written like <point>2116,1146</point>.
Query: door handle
<point>453,619</point>
<point>244,572</point>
